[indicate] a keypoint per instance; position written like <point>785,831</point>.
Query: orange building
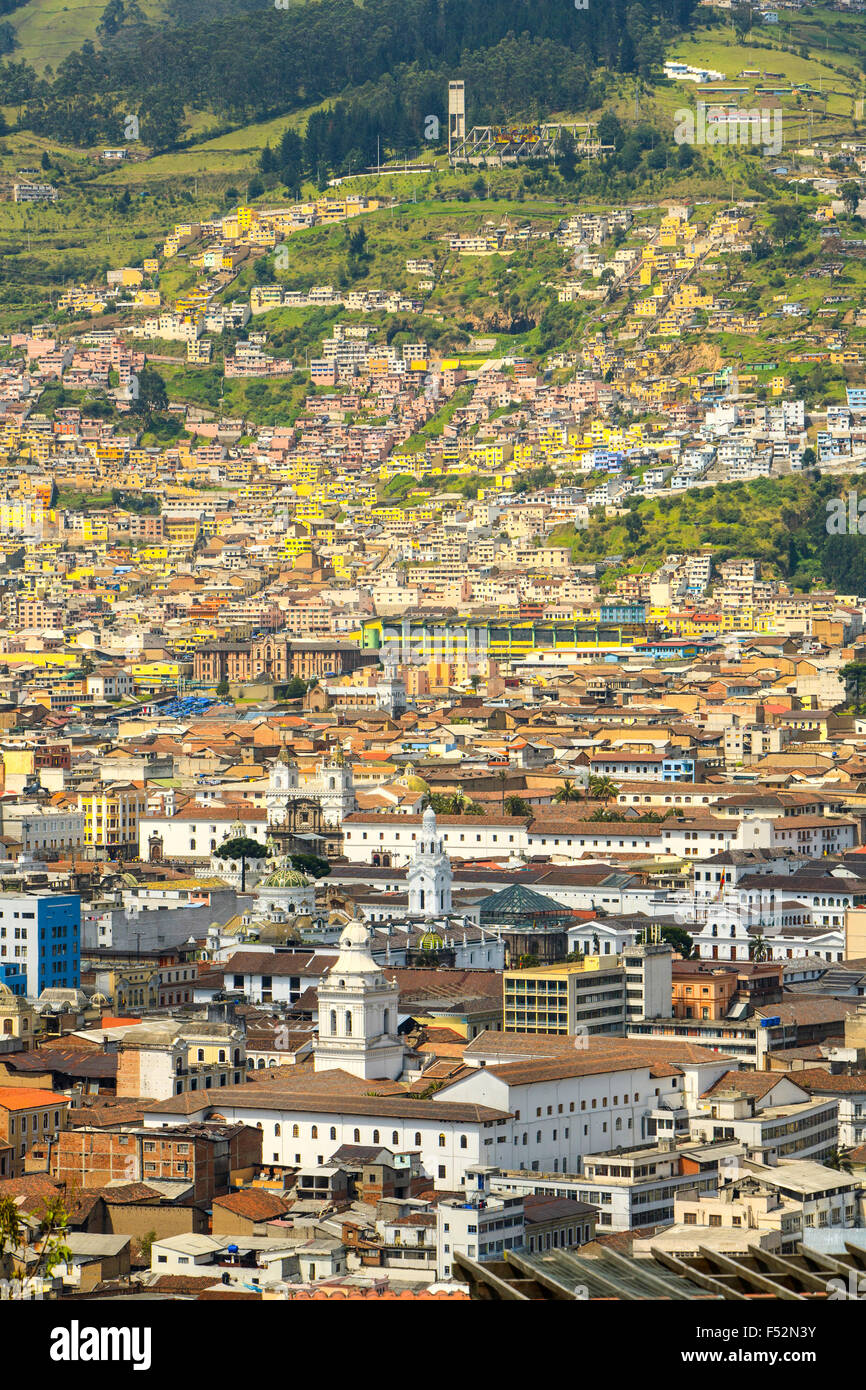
<point>30,1118</point>
<point>702,989</point>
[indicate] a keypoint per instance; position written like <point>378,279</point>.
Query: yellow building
<point>111,819</point>
<point>551,998</point>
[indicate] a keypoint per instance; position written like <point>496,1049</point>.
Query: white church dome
<point>354,957</point>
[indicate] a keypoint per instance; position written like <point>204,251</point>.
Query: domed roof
<point>354,957</point>
<point>416,783</point>
<point>431,941</point>
<point>285,878</point>
<point>428,821</point>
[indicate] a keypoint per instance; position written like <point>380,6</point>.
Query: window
<point>357,1136</point>
<point>442,1141</point>
<point>296,1131</point>
<point>395,1138</point>
<point>375,1136</point>
<point>333,1131</point>
<point>314,1132</point>
<point>417,1139</point>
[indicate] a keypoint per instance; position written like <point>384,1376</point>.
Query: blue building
<point>14,977</point>
<point>620,612</point>
<point>40,938</point>
<point>678,770</point>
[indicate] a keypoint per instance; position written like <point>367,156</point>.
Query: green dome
<point>431,941</point>
<point>285,878</point>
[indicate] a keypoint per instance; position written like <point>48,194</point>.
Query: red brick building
<point>204,1155</point>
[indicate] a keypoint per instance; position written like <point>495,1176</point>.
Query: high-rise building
<point>40,935</point>
<point>598,994</point>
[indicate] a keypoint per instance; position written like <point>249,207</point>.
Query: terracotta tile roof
<point>817,1079</point>
<point>29,1098</point>
<point>320,1099</point>
<point>253,1205</point>
<point>750,1083</point>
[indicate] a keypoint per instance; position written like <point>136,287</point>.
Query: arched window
<point>357,1136</point>
<point>618,1124</point>
<point>348,1023</point>
<point>463,1143</point>
<point>387,1021</point>
<point>296,1131</point>
<point>395,1138</point>
<point>375,1136</point>
<point>314,1132</point>
<point>201,1054</point>
<point>442,1141</point>
<point>261,1064</point>
<point>418,1138</point>
<point>333,1021</point>
<point>277,1131</point>
<point>333,1131</point>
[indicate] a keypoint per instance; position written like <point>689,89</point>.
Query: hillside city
<point>432,657</point>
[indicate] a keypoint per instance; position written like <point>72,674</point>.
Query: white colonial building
<point>332,786</point>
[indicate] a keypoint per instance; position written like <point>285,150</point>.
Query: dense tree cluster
<point>516,56</point>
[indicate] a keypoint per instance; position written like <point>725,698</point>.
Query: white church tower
<point>429,875</point>
<point>282,788</point>
<point>336,788</point>
<point>358,1013</point>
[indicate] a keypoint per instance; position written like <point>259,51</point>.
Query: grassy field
<point>49,30</point>
<point>233,156</point>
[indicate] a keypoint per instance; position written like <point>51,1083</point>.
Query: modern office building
<point>40,941</point>
<point>597,994</point>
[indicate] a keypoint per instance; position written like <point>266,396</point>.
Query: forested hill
<point>520,57</point>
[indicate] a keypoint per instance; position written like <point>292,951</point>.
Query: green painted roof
<point>520,904</point>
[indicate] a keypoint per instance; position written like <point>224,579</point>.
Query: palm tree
<point>516,806</point>
<point>602,789</point>
<point>759,950</point>
<point>840,1160</point>
<point>567,792</point>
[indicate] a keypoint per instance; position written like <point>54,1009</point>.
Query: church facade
<point>305,814</point>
